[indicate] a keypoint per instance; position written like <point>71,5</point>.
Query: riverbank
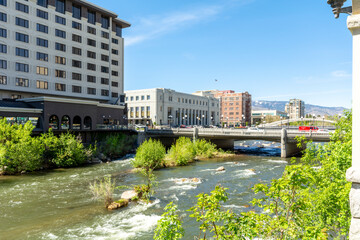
<point>57,205</point>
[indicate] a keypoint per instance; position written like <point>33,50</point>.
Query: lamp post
<point>323,121</point>
<point>170,120</point>
<point>280,121</point>
<point>186,120</point>
<point>302,121</point>
<point>313,119</point>
<point>203,120</point>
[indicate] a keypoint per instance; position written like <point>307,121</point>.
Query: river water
<point>58,205</point>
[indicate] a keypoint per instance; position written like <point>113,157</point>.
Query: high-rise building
<point>235,108</point>
<point>162,106</point>
<point>64,51</point>
<point>295,108</point>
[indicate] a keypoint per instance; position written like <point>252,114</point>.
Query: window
<point>114,51</point>
<point>76,11</point>
<point>147,97</point>
<point>91,42</point>
<point>142,97</point>
<point>42,56</point>
<point>104,69</point>
<point>42,42</point>
<point>76,63</point>
<point>22,37</point>
<point>42,70</point>
<point>104,58</point>
<point>60,20</point>
<point>76,25</point>
<point>104,46</point>
<point>60,73</point>
<point>3,17</point>
<point>91,17</point>
<point>104,22</point>
<point>3,80</point>
<point>105,81</point>
<point>41,84</point>
<point>60,87</point>
<point>42,14</point>
<point>91,54</point>
<point>104,92</point>
<point>91,91</point>
<point>115,41</point>
<point>3,2</point>
<point>60,33</point>
<point>76,76</point>
<point>60,47</point>
<point>22,22</point>
<point>137,98</point>
<point>60,6</point>
<point>22,82</point>
<point>114,84</point>
<point>114,95</point>
<point>21,67</point>
<point>76,51</point>
<point>60,60</point>
<point>91,67</point>
<point>3,64</point>
<point>105,34</point>
<point>118,31</point>
<point>91,79</point>
<point>114,62</point>
<point>43,3</point>
<point>76,38</point>
<point>76,89</point>
<point>3,33</point>
<point>3,48</point>
<point>21,52</point>
<point>115,73</point>
<point>22,7</point>
<point>92,30</point>
<point>42,28</point>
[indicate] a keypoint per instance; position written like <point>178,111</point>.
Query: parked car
<point>323,131</point>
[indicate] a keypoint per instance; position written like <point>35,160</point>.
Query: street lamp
<point>336,5</point>
<point>323,121</point>
<point>302,121</point>
<point>203,119</point>
<point>170,120</point>
<point>280,121</point>
<point>313,119</point>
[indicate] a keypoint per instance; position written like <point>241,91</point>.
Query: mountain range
<point>309,108</point>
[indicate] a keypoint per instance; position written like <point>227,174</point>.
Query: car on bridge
<point>308,128</point>
<point>254,129</point>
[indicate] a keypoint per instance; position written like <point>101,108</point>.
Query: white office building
<point>159,106</point>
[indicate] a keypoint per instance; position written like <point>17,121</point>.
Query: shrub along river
<point>58,205</point>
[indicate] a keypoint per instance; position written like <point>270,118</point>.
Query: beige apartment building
<point>295,108</point>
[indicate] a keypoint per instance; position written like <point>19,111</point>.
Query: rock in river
<point>220,169</point>
<point>129,195</point>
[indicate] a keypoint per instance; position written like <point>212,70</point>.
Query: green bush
<point>150,155</point>
<point>204,148</point>
<point>117,145</point>
<point>103,190</point>
<point>182,152</point>
<point>18,150</point>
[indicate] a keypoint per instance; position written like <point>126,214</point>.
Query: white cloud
<point>340,74</point>
<point>155,26</point>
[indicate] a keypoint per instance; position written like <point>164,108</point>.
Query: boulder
<point>102,156</point>
<point>95,160</point>
<point>128,195</point>
<point>220,169</point>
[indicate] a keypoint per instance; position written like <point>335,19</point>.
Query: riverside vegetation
<point>309,201</point>
<point>21,152</point>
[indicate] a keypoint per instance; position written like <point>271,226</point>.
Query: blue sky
<point>275,50</point>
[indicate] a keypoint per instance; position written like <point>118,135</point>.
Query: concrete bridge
<point>224,138</point>
<point>286,121</point>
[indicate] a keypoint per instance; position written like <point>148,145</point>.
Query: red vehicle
<point>308,128</point>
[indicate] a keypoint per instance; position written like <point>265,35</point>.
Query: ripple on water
<point>277,161</point>
<point>245,173</point>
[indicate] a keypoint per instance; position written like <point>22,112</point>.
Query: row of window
<point>22,67</point>
<point>60,6</point>
<point>24,82</point>
<point>138,98</point>
<point>58,46</point>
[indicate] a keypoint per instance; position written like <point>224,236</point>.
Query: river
<point>58,205</point>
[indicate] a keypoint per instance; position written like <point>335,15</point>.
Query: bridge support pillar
<point>141,138</point>
<point>195,134</point>
<point>288,148</point>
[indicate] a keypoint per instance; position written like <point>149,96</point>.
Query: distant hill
<point>309,108</point>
